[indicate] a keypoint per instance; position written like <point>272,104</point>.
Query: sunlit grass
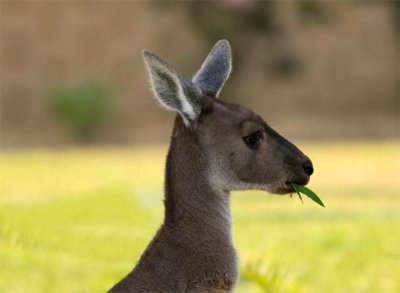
<point>76,220</point>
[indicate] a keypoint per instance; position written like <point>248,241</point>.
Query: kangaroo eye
<point>254,140</point>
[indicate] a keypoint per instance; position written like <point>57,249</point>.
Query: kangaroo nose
<point>308,168</point>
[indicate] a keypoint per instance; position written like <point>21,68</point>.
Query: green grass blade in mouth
<point>297,191</point>
<point>308,192</point>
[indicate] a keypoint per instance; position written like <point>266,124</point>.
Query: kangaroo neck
<point>192,200</point>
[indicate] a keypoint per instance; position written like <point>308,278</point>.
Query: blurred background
<point>83,142</point>
<point>320,70</point>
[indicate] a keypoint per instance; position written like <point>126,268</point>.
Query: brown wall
<point>346,85</point>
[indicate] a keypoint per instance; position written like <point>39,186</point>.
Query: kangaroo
<point>215,147</point>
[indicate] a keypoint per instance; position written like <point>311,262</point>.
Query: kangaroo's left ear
<point>215,69</point>
<point>173,90</point>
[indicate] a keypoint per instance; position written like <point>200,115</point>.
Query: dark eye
<point>254,140</point>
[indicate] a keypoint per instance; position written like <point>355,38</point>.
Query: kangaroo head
<point>242,151</point>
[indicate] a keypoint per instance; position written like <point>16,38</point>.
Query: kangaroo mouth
<point>285,188</point>
<point>303,180</point>
<point>288,187</point>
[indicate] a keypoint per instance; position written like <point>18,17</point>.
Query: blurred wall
<point>325,70</point>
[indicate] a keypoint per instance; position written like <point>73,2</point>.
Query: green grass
<point>307,192</point>
<point>77,220</point>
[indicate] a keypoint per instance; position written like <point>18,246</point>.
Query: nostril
<point>308,168</point>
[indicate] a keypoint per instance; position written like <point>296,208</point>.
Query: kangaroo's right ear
<point>215,69</point>
<point>173,90</point>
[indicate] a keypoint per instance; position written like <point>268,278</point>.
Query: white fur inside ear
<point>168,88</point>
<point>157,87</point>
<point>187,110</point>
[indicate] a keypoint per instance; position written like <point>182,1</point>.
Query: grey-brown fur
<point>210,155</point>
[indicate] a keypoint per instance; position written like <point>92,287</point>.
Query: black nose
<point>308,168</point>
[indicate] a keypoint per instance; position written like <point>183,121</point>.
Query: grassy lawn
<point>76,220</point>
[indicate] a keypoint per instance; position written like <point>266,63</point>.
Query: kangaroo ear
<point>215,69</point>
<point>174,91</point>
